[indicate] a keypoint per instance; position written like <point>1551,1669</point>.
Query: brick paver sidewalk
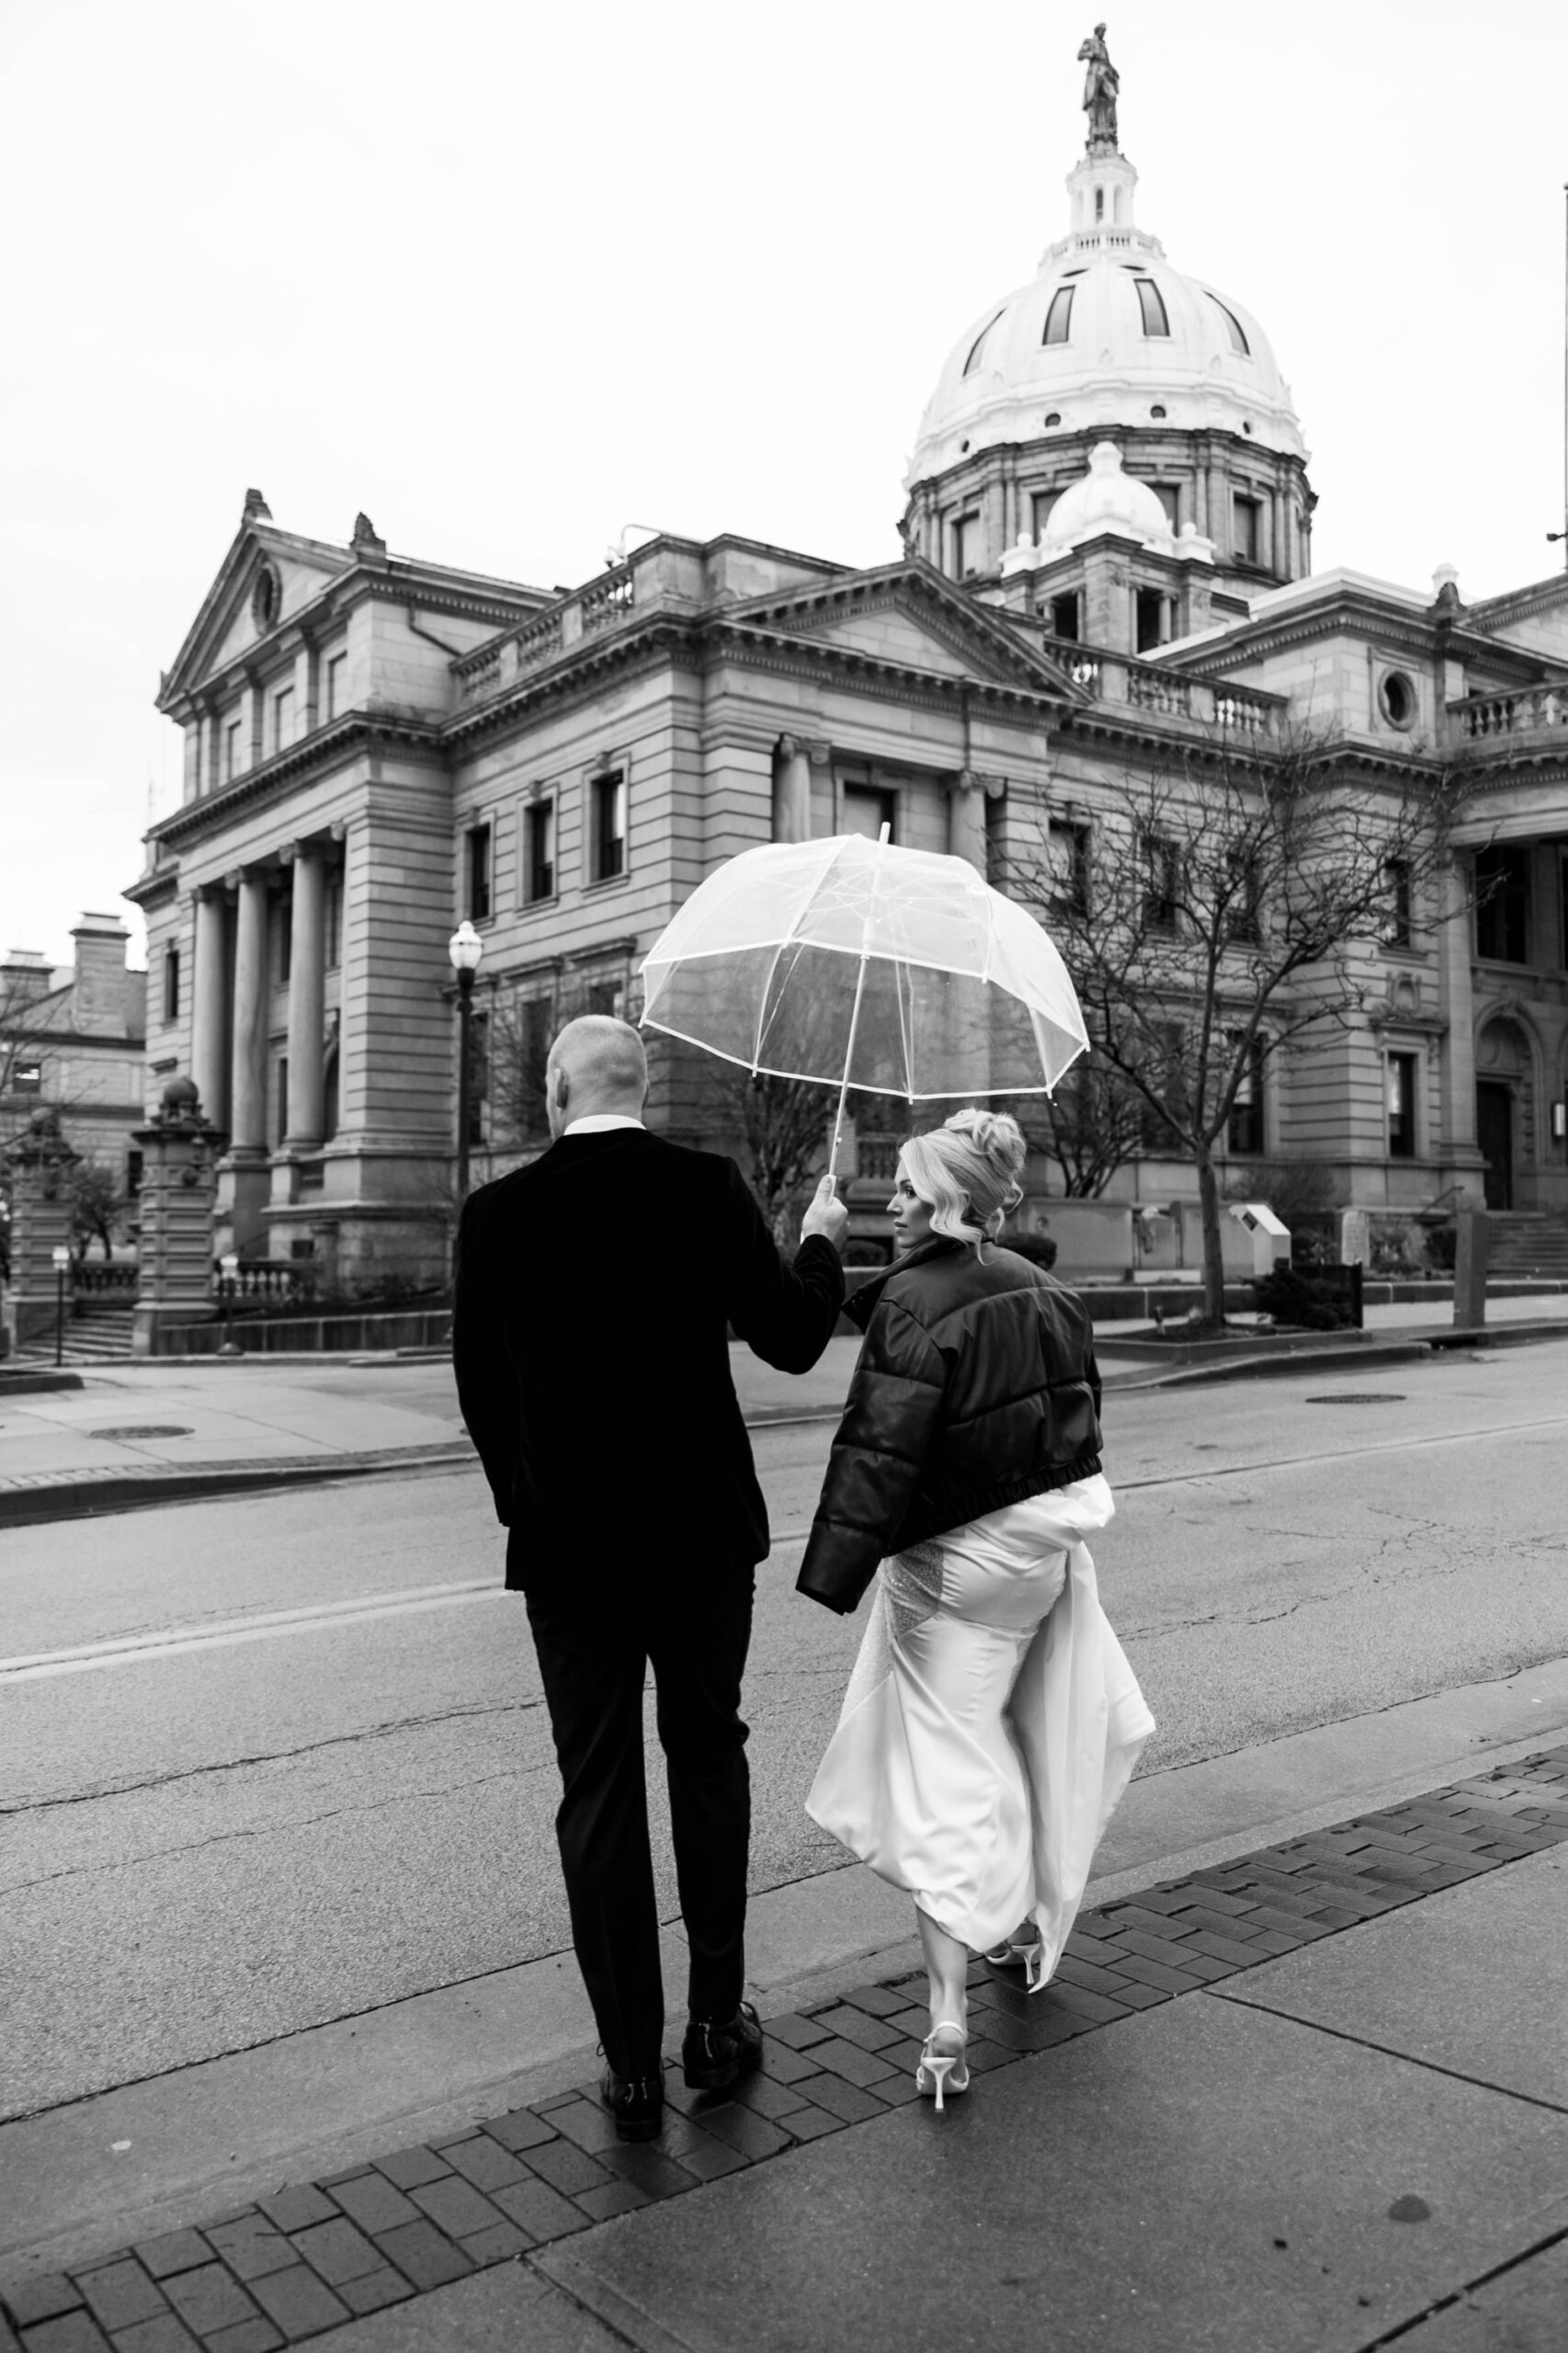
<point>314,2256</point>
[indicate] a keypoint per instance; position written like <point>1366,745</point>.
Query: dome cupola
<point>1109,339</point>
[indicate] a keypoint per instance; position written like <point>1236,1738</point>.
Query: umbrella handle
<point>855,1010</point>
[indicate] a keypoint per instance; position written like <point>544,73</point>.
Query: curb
<point>76,1498</point>
<point>1380,1352</point>
<point>17,1384</point>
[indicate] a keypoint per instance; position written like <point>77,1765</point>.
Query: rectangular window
<point>606,994</point>
<point>283,718</point>
<point>281,1123</point>
<point>1064,615</point>
<point>1162,866</point>
<point>966,546</point>
<point>476,904</point>
<point>1151,306</point>
<point>1150,618</point>
<point>609,825</point>
<point>337,684</point>
<point>1396,874</point>
<point>1402,1107</point>
<point>1040,503</point>
<point>1169,496</point>
<point>539,880</point>
<point>283,962</point>
<point>230,751</point>
<point>26,1076</point>
<point>477,1074</point>
<point>1503,905</point>
<point>1247,530</point>
<point>1241,909</point>
<point>1245,1133</point>
<point>134,1164</point>
<point>1067,856</point>
<point>1059,318</point>
<point>171,984</point>
<point>866,808</point>
<point>536,1028</point>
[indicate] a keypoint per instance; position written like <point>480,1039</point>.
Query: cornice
<point>151,890</point>
<point>340,739</point>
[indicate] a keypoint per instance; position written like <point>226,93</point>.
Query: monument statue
<point>1100,86</point>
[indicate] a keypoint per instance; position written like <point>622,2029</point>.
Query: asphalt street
<point>306,1771</point>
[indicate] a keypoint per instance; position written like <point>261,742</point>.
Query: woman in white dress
<point>992,1722</point>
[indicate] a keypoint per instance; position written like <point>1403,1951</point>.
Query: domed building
<point>1108,342</point>
<point>1105,576</point>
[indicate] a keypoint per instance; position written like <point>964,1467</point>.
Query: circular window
<point>1397,697</point>
<point>264,598</point>
<point>1055,417</point>
<point>1156,410</point>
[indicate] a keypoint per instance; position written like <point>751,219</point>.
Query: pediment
<point>266,580</point>
<point>911,618</point>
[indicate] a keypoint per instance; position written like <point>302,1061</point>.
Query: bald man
<point>595,1293</point>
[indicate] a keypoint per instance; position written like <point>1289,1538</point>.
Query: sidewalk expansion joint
<point>313,2257</point>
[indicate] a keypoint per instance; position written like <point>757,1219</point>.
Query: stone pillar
<point>243,1190</point>
<point>1470,1268</point>
<point>791,791</point>
<point>305,1123</point>
<point>40,1162</point>
<point>209,1047</point>
<point>179,1164</point>
<point>248,1081</point>
<point>1456,1000</point>
<point>966,820</point>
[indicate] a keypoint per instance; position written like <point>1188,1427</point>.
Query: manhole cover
<point>1358,1397</point>
<point>141,1429</point>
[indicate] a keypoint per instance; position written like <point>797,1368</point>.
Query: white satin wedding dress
<point>991,1725</point>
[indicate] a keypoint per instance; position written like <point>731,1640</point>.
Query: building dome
<point>1106,499</point>
<point>1106,334</point>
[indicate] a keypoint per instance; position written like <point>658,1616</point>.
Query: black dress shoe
<point>636,2102</point>
<point>716,2055</point>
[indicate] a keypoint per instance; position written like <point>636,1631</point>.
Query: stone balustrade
<point>261,1278</point>
<point>1530,711</point>
<point>1167,693</point>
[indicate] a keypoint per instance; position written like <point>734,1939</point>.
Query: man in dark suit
<point>594,1290</point>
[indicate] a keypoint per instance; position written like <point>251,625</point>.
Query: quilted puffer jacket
<point>976,1387</point>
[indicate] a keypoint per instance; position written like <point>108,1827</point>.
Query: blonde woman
<point>992,1722</point>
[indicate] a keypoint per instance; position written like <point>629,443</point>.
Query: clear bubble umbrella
<point>854,963</point>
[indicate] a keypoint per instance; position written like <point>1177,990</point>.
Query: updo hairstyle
<point>967,1171</point>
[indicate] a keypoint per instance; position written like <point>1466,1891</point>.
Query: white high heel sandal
<point>938,2068</point>
<point>1025,1953</point>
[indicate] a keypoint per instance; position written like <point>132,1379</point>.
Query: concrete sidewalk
<point>153,1432</point>
<point>1314,2094</point>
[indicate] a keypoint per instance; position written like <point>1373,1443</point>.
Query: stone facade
<point>73,1041</point>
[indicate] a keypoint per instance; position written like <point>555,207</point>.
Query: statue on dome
<point>1101,87</point>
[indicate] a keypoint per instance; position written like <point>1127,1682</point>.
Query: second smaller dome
<point>1107,499</point>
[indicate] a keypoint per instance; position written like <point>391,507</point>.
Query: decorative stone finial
<point>1101,84</point>
<point>257,508</point>
<point>365,536</point>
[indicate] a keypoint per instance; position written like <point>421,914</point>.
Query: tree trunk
<point>1214,1246</point>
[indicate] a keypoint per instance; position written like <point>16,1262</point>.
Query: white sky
<point>512,277</point>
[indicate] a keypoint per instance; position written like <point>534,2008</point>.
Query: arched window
<point>1233,325</point>
<point>977,348</point>
<point>1151,303</point>
<point>1059,318</point>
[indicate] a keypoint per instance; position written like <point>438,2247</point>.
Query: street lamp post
<point>465,948</point>
<point>228,1283</point>
<point>62,1256</point>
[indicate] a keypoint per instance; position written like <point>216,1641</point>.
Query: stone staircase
<point>1521,1243</point>
<point>99,1333</point>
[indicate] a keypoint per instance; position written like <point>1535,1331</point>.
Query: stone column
<point>305,1123</point>
<point>209,1045</point>
<point>248,1095</point>
<point>244,1179</point>
<point>179,1159</point>
<point>966,820</point>
<point>40,1162</point>
<point>791,791</point>
<point>1456,998</point>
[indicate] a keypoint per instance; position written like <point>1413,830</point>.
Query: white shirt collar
<point>596,1122</point>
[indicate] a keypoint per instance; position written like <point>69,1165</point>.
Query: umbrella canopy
<point>849,961</point>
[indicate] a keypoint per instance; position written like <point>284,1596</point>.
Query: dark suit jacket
<point>593,1290</point>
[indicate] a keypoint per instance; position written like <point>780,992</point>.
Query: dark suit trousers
<point>595,1646</point>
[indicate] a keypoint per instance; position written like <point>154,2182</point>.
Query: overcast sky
<point>513,276</point>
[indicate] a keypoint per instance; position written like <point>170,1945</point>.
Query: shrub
<point>1311,1301</point>
<point>1441,1244</point>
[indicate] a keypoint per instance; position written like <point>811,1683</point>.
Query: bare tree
<point>1092,1123</point>
<point>785,1124</point>
<point>1230,915</point>
<point>98,1202</point>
